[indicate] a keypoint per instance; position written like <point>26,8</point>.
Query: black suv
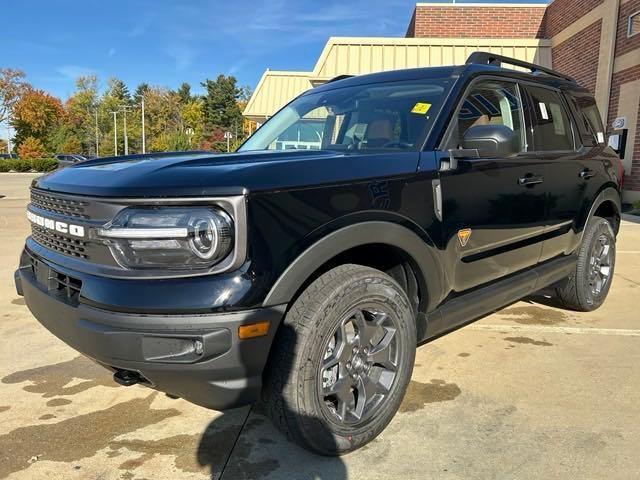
<point>307,274</point>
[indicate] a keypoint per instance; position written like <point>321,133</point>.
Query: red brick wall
<point>578,55</point>
<point>632,179</point>
<point>625,44</point>
<point>476,22</point>
<point>562,13</point>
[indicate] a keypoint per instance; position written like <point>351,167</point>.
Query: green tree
<point>184,93</point>
<point>140,92</point>
<point>192,114</point>
<point>163,118</point>
<point>80,111</point>
<point>115,97</point>
<point>221,103</point>
<point>118,90</point>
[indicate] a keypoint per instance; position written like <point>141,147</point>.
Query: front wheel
<point>587,287</point>
<point>342,360</point>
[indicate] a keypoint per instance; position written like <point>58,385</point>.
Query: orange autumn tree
<point>31,148</point>
<point>38,115</point>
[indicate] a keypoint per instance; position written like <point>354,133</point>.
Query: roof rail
<point>486,58</point>
<point>339,77</point>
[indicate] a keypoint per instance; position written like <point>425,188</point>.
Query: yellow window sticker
<point>421,108</point>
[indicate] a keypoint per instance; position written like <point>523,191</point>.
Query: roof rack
<point>486,58</point>
<point>339,77</point>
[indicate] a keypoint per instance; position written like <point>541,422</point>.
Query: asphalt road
<point>528,392</point>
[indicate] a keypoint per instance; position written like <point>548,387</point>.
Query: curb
<point>630,218</point>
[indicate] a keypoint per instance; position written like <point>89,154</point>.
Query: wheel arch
<point>607,204</point>
<point>419,253</point>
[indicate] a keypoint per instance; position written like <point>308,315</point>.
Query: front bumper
<point>198,357</point>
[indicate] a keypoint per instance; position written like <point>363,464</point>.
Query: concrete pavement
<point>531,391</point>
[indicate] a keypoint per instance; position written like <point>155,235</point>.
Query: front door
<point>493,209</point>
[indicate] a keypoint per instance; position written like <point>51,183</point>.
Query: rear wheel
<point>587,287</point>
<point>341,360</point>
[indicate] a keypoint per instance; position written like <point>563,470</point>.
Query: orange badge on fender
<point>464,235</point>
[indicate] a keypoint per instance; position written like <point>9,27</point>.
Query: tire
<point>299,392</point>
<point>587,287</point>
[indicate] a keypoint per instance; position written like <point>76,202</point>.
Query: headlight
<point>176,238</point>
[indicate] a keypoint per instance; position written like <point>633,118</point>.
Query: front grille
<point>59,205</point>
<point>59,243</point>
<point>62,286</point>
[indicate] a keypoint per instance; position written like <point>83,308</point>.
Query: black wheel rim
<point>600,265</point>
<point>360,365</point>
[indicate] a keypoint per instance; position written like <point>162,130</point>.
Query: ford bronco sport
<point>306,272</point>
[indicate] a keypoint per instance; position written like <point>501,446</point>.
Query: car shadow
<point>260,450</point>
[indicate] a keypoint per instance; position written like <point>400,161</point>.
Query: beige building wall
<point>356,56</point>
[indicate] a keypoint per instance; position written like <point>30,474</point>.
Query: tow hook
<point>127,378</point>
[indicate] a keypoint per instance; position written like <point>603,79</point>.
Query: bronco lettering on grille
<point>62,227</point>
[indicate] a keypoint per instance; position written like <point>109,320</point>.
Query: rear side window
<point>589,122</point>
<point>550,121</point>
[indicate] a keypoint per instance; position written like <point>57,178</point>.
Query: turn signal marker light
<point>252,330</point>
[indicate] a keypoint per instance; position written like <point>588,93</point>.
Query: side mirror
<point>493,141</point>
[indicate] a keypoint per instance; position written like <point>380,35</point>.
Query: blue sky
<point>164,42</point>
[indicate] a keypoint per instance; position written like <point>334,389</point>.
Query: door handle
<point>530,180</point>
<point>587,173</point>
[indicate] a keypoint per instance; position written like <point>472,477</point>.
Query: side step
<point>470,306</point>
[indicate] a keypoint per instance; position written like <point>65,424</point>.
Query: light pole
<point>115,135</point>
<point>97,136</point>
<point>126,138</point>
<point>228,136</point>
<point>8,138</point>
<point>144,148</point>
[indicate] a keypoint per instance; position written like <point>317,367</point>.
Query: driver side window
<point>488,103</point>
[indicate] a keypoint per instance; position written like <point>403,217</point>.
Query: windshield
<point>378,116</point>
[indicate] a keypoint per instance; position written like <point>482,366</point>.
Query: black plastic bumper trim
<point>197,357</point>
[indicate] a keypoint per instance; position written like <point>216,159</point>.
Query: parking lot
<point>528,392</point>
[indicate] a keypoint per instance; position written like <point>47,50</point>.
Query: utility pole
<point>97,136</point>
<point>126,138</point>
<point>144,148</point>
<point>115,135</point>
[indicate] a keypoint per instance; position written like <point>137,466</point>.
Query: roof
<point>442,72</point>
<point>363,55</point>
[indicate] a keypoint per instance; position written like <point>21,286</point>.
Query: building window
<point>634,24</point>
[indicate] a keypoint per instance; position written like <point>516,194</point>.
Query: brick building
<point>595,41</point>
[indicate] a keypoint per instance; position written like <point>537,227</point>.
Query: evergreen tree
<point>139,93</point>
<point>118,90</point>
<point>184,93</point>
<point>221,102</point>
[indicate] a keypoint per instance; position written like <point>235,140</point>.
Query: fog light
<point>252,330</point>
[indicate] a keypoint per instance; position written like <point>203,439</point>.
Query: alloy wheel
<point>360,365</point>
<point>600,265</point>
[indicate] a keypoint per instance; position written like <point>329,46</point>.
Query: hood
<point>207,174</point>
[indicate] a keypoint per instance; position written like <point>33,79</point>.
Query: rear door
<point>493,209</point>
<point>570,167</point>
